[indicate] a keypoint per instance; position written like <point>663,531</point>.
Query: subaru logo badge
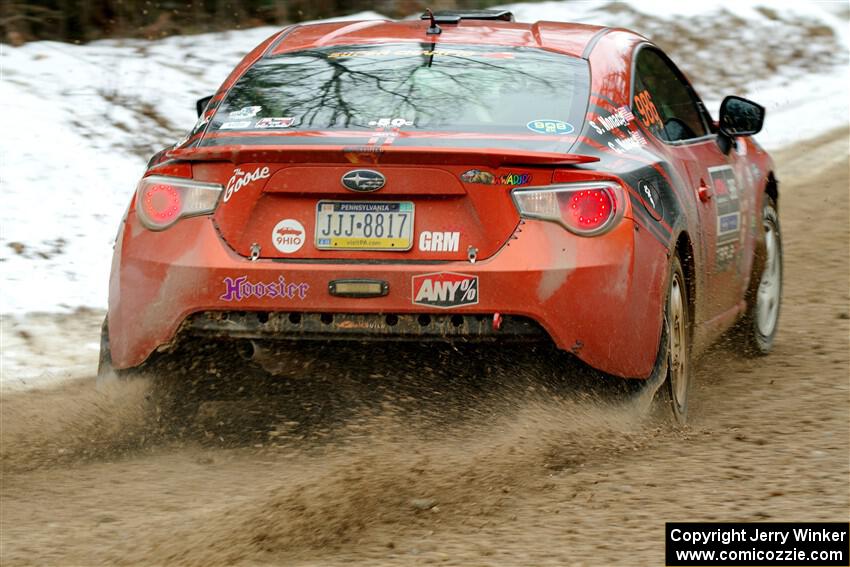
<point>363,180</point>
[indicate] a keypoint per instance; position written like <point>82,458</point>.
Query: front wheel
<point>757,330</point>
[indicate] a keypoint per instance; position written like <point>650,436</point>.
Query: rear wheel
<point>679,354</point>
<point>667,387</point>
<point>106,373</point>
<point>757,330</point>
<point>171,408</point>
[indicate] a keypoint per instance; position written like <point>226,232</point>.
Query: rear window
<point>483,96</point>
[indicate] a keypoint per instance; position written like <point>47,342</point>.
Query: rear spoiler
<point>492,157</point>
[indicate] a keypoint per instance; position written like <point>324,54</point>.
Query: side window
<point>665,102</point>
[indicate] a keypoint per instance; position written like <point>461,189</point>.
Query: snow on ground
<point>80,121</point>
<point>40,349</point>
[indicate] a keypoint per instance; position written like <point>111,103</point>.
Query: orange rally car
<point>460,177</point>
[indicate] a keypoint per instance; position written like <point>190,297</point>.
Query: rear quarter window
<point>664,100</point>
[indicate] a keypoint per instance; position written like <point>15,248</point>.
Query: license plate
<point>364,225</point>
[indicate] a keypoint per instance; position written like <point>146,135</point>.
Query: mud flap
<point>645,395</point>
<point>105,373</point>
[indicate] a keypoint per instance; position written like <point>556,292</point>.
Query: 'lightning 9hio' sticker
<point>288,236</point>
<point>445,290</point>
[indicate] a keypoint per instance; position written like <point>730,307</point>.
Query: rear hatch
<point>420,212</point>
<point>404,151</point>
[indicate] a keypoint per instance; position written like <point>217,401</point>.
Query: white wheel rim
<point>678,342</point>
<point>767,300</point>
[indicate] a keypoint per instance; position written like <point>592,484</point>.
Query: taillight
<point>586,209</point>
<point>161,201</point>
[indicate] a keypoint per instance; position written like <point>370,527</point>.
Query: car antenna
<point>434,29</point>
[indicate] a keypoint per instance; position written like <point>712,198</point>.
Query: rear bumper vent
<point>360,326</point>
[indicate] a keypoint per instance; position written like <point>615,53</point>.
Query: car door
<point>669,108</point>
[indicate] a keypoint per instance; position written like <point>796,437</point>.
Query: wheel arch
<point>772,188</point>
<point>685,251</point>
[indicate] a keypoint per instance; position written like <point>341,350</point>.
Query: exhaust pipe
<point>246,349</point>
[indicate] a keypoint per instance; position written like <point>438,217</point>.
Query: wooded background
<point>85,20</point>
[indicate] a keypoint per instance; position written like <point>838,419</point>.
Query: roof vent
<point>455,16</point>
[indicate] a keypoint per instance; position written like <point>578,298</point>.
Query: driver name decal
<point>632,141</point>
<point>620,118</point>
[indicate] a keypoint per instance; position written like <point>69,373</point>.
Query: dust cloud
<point>465,456</point>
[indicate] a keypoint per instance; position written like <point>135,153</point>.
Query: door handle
<point>703,191</point>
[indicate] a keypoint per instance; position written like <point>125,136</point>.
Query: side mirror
<point>201,104</point>
<point>740,117</point>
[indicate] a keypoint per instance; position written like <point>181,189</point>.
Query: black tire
<point>755,332</point>
<point>678,325</point>
<point>186,374</point>
<point>170,410</point>
<point>668,386</point>
<point>171,386</point>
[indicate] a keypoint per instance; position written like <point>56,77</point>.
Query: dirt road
<point>509,467</point>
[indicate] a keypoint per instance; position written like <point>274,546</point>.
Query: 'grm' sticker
<point>438,241</point>
<point>550,127</point>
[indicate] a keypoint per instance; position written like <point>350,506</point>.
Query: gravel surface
<point>461,461</point>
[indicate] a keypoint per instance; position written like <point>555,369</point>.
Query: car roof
<point>568,38</point>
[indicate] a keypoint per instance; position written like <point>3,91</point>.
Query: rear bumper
<point>599,297</point>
